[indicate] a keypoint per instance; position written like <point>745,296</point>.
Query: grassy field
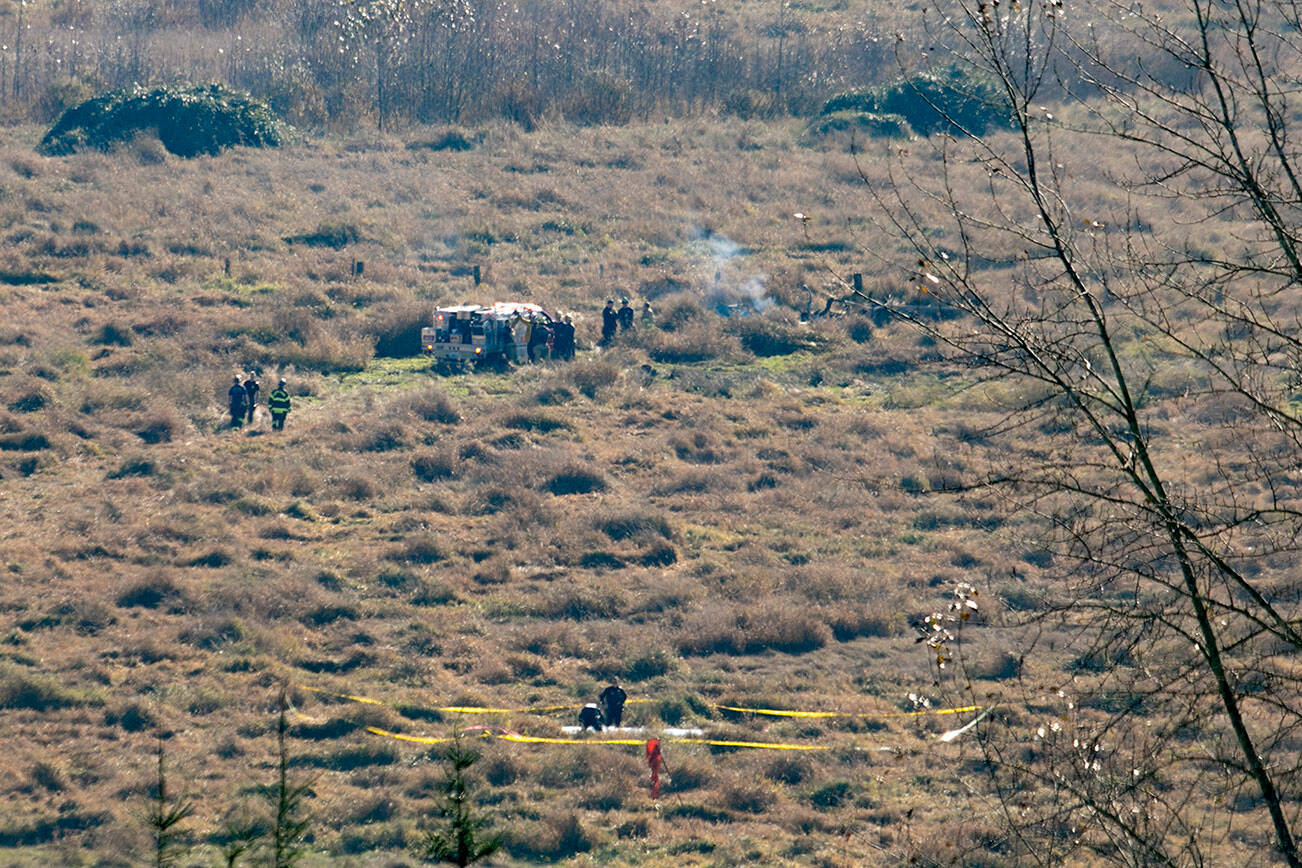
<point>718,511</point>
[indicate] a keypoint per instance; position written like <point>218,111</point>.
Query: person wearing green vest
<point>278,404</point>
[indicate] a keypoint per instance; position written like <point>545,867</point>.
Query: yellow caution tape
<point>625,742</point>
<point>342,695</point>
<point>506,735</point>
<point>774,712</point>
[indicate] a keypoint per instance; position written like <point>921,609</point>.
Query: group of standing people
<point>614,320</point>
<point>547,337</point>
<point>243,398</point>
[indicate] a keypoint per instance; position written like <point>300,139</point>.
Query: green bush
<point>204,119</point>
<point>941,100</point>
<point>831,795</point>
<point>879,126</point>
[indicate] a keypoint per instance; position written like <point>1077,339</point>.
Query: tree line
<point>320,63</point>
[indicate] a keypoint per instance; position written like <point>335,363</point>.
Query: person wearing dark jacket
<point>590,717</point>
<point>278,404</point>
<point>624,316</point>
<point>539,333</point>
<point>563,339</point>
<point>609,322</point>
<point>251,394</point>
<point>612,704</point>
<point>238,402</point>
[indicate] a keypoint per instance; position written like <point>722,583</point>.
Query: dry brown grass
<point>732,512</point>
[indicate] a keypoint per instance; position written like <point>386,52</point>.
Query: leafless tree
<point>1143,350</point>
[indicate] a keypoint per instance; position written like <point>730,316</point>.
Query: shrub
<point>788,770</point>
<point>35,692</point>
<point>150,593</point>
<point>134,467</point>
<point>213,633</point>
<point>349,759</point>
<point>30,401</point>
<point>600,561</point>
<point>323,615</point>
<point>49,777</point>
<point>751,797</point>
<point>494,499</point>
<point>850,623</point>
<point>936,101</point>
<point>333,235</point>
<point>773,625</point>
<point>395,330</point>
<point>651,665</point>
<point>204,119</point>
<point>433,405</point>
<point>875,124</point>
<point>26,442</point>
<point>636,526</point>
<point>159,430</point>
<point>494,572</point>
<point>541,423</point>
<point>433,593</point>
<point>358,488</point>
<point>576,480</point>
<point>677,309</point>
<point>49,829</point>
<point>995,666</point>
<point>132,717</point>
<point>85,616</point>
<point>771,334</point>
<point>696,811</point>
<point>382,438</point>
<point>449,140</point>
<point>831,795</point>
<point>581,604</point>
<point>433,466</point>
<point>554,839</point>
<point>660,555</point>
<point>213,559</point>
<point>591,376</point>
<point>112,335</point>
<point>690,773</point>
<point>425,550</point>
<point>694,342</point>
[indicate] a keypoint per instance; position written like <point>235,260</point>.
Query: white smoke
<point>730,284</point>
<point>756,295</point>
